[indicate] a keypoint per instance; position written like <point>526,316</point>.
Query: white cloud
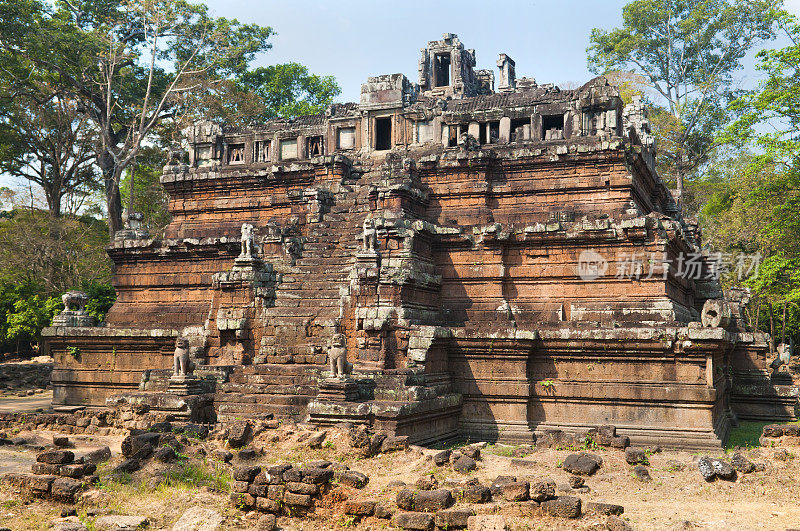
<point>792,6</point>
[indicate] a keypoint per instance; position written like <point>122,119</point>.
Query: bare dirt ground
<point>674,499</point>
<point>27,404</point>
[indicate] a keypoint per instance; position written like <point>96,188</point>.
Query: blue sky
<point>354,39</point>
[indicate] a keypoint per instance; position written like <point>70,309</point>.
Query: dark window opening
<point>236,154</point>
<point>482,133</point>
<point>441,64</point>
<point>518,129</point>
<point>452,136</point>
<point>383,134</point>
<point>494,132</point>
<point>313,146</point>
<point>553,127</point>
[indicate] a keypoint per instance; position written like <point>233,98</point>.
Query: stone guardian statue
<point>181,365</point>
<point>370,236</point>
<point>248,238</point>
<point>337,356</point>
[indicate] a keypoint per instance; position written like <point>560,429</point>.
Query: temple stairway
<point>298,327</point>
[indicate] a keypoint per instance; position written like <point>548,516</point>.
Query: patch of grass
<point>347,521</point>
<point>502,450</point>
<point>9,504</point>
<point>191,475</point>
<point>746,435</point>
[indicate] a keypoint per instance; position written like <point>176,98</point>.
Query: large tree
<point>44,139</point>
<point>689,52</point>
<point>260,94</point>
<point>127,63</point>
<point>775,103</point>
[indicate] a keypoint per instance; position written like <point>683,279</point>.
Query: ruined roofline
<point>452,106</point>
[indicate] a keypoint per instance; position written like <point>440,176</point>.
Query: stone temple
<point>464,248</point>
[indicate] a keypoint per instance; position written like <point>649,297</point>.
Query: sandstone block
<point>414,521</point>
<point>486,522</point>
<point>246,473</point>
<point>543,490</point>
<point>119,522</point>
<point>516,492</point>
<point>563,507</point>
<point>602,508</point>
<point>452,518</point>
<point>635,455</point>
<point>351,478</point>
<point>65,489</point>
<point>56,457</point>
<point>199,519</point>
<point>359,507</point>
<point>582,464</point>
<point>297,500</point>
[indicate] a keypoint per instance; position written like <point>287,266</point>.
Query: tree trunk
<point>771,330</point>
<point>54,201</point>
<point>113,199</point>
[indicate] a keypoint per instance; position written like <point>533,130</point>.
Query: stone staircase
<point>298,327</point>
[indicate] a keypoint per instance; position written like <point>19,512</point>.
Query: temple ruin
<point>443,259</point>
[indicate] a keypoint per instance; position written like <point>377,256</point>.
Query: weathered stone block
<point>543,490</point>
<point>359,507</point>
<point>65,489</point>
<point>246,473</point>
<point>603,508</point>
<point>297,500</point>
<point>56,457</point>
<point>516,492</point>
<point>414,521</point>
<point>351,478</point>
<point>452,518</point>
<point>563,507</point>
<point>583,464</point>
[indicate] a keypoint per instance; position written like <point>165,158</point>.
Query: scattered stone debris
<point>710,469</point>
<point>641,473</point>
<point>742,464</point>
<point>636,456</point>
<point>582,464</point>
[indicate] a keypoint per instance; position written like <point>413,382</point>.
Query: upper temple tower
<point>447,69</point>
